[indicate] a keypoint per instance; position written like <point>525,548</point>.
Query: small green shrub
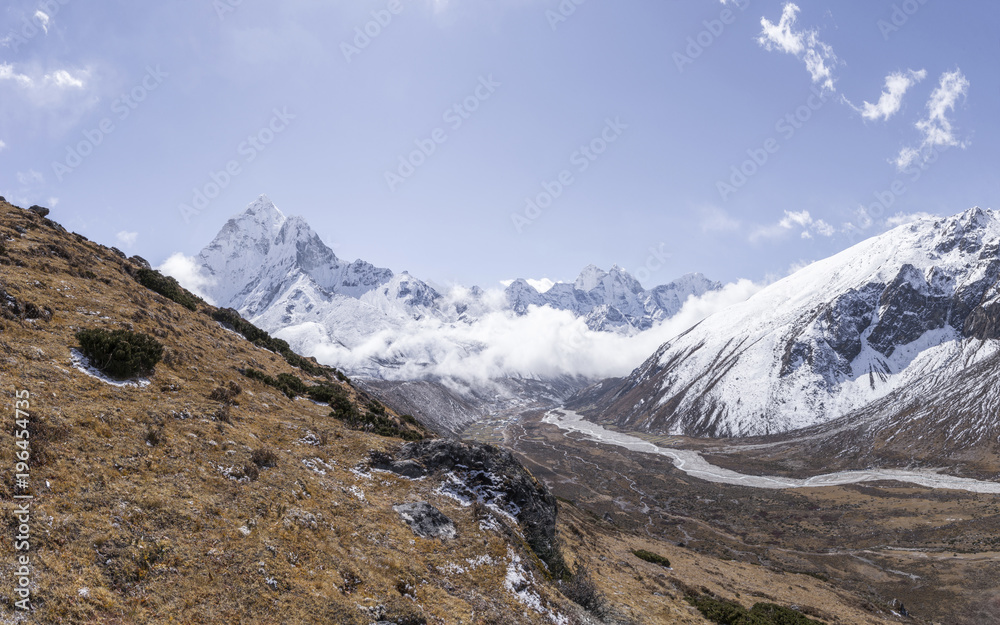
<point>324,393</point>
<point>651,557</point>
<point>120,354</point>
<point>291,385</point>
<point>375,423</point>
<point>167,287</point>
<point>731,613</point>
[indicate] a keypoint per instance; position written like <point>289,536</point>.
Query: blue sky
<point>622,121</point>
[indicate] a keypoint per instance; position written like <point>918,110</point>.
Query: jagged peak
<point>263,206</point>
<point>589,278</point>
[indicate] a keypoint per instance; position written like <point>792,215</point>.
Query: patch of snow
<point>80,363</point>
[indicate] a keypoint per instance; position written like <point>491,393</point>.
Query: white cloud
<point>2,145</point>
<point>7,73</point>
<point>804,44</point>
<point>889,103</point>
<point>544,342</point>
<point>127,238</point>
<point>43,20</point>
<point>823,229</point>
<point>53,202</point>
<point>792,221</point>
<point>187,272</point>
<point>936,128</point>
<point>63,79</point>
<point>59,79</point>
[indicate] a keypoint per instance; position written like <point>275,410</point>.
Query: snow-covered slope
<point>918,301</point>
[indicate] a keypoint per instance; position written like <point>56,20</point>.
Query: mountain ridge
<point>829,340</point>
<point>276,271</point>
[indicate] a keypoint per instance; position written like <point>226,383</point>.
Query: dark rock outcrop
<point>426,521</point>
<point>492,476</point>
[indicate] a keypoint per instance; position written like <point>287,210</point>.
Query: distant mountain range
<point>278,273</point>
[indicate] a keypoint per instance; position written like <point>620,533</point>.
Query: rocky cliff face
<point>830,339</point>
<point>490,476</point>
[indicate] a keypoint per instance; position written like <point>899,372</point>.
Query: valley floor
<point>851,553</point>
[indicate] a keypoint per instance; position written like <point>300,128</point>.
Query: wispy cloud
<point>42,18</point>
<point>891,100</point>
<point>936,128</point>
<point>2,145</point>
<point>802,221</point>
<point>7,73</point>
<point>803,44</point>
<point>63,79</point>
<point>60,79</point>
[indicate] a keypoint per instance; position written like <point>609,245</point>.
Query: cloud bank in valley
<point>544,343</point>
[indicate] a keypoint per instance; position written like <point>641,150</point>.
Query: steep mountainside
<point>908,318</point>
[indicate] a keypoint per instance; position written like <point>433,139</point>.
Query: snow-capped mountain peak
<point>589,278</point>
<point>259,252</point>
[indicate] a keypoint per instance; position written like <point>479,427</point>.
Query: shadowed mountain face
<point>916,303</point>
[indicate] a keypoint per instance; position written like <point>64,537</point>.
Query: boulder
<point>426,521</point>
